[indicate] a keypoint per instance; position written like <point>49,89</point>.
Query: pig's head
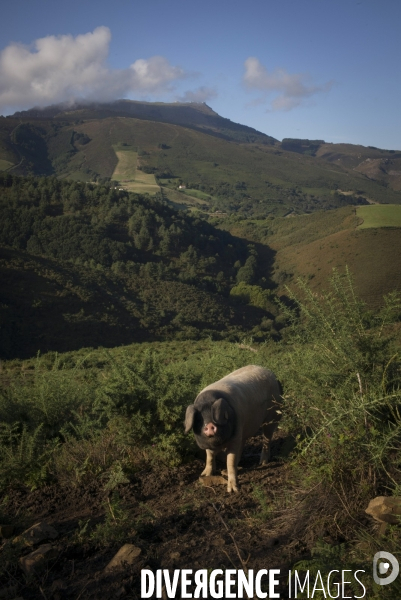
<point>212,420</point>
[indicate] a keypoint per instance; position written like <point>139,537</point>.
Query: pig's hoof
<point>232,487</point>
<point>264,458</point>
<point>206,473</point>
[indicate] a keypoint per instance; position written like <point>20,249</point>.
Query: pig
<point>226,413</point>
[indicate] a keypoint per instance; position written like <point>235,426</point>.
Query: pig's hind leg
<point>210,467</point>
<point>268,430</point>
<point>269,427</point>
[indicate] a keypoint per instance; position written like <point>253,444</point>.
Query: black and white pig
<point>226,413</point>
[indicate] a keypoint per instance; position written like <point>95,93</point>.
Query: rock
<point>37,560</point>
<point>6,531</point>
<point>218,542</point>
<point>175,555</point>
<point>211,480</point>
<point>126,556</point>
<point>36,534</point>
<point>386,509</point>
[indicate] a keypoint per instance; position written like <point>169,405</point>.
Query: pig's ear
<point>220,411</point>
<point>189,417</point>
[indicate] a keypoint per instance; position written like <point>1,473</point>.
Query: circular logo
<point>383,567</point>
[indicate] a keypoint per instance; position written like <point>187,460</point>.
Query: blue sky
<point>290,68</point>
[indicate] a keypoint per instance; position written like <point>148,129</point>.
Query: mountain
<point>220,165</point>
<point>198,116</point>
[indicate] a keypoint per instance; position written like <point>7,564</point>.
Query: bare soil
<point>178,523</point>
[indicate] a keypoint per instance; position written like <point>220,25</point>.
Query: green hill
<point>310,246</point>
<point>221,166</point>
<point>86,265</point>
<point>195,115</point>
<point>115,254</point>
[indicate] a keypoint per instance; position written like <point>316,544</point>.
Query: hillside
<point>194,115</point>
<point>86,265</point>
<point>221,166</point>
<point>116,309</point>
<point>310,246</point>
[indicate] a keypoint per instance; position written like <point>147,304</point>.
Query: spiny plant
<point>24,456</point>
<point>118,526</point>
<point>343,400</point>
<point>265,510</point>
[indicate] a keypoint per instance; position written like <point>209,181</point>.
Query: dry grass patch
<point>126,166</point>
<point>130,177</point>
<point>5,164</point>
<point>373,256</point>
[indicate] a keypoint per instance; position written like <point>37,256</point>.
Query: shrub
<point>343,400</point>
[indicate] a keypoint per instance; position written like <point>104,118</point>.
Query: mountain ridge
<point>196,158</point>
<point>196,115</point>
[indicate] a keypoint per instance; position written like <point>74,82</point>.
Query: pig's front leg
<point>232,461</point>
<point>210,463</point>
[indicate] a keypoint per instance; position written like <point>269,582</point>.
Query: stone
<point>6,531</point>
<point>37,560</point>
<point>386,509</point>
<point>126,556</point>
<point>211,480</point>
<point>218,542</point>
<point>36,534</point>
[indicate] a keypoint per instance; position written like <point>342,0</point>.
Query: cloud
<point>66,68</point>
<point>155,74</point>
<point>202,94</point>
<point>292,89</point>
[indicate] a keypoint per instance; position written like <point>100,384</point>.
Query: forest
<point>88,265</point>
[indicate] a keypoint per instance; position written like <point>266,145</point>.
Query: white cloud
<point>291,89</point>
<point>201,94</point>
<point>65,68</point>
<point>154,74</point>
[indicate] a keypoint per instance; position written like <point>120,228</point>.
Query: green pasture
<point>126,166</point>
<point>5,164</point>
<point>181,200</point>
<point>379,215</point>
<point>130,177</point>
<point>196,194</point>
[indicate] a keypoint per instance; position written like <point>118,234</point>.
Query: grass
<point>127,165</point>
<point>130,177</point>
<point>183,201</point>
<point>5,164</point>
<point>196,194</point>
<point>386,215</point>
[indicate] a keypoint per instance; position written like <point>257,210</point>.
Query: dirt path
<point>175,521</point>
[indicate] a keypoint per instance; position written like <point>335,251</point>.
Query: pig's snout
<point>210,430</point>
